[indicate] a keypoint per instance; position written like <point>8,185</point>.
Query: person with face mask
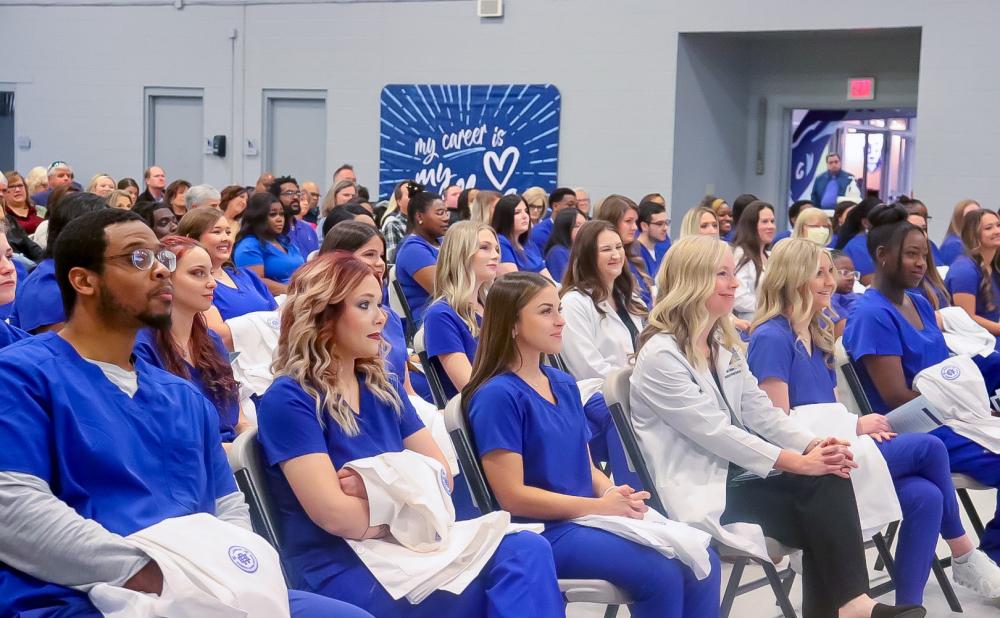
<point>813,224</point>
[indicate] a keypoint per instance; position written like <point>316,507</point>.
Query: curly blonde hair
<point>316,298</point>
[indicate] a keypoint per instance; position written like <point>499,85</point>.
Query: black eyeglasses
<point>289,193</point>
<point>142,259</point>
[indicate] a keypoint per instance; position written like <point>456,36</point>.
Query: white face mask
<point>819,235</point>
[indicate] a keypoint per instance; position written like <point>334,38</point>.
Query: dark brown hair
<point>971,227</point>
<point>581,271</point>
<point>748,240</point>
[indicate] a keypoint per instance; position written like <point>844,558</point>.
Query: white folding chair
<point>596,591</point>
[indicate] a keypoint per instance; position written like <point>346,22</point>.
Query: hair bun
<point>887,214</point>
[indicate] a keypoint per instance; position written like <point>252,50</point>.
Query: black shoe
<point>898,611</point>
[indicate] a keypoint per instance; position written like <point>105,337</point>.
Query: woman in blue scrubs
<point>239,290</point>
<point>187,348</point>
<point>891,336</point>
<point>261,245</point>
<point>564,229</point>
<point>622,213</point>
<point>416,257</point>
<point>513,227</point>
<point>791,355</point>
<point>8,288</point>
<point>531,434</point>
<point>974,277</point>
<point>37,309</point>
<point>466,268</point>
<point>334,403</point>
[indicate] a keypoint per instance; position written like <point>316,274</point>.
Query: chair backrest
<point>852,394</point>
<point>616,395</point>
<point>433,380</point>
<point>556,360</point>
<point>472,471</point>
<point>397,300</point>
<point>248,467</point>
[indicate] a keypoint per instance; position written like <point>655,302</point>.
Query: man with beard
<point>99,444</point>
<point>302,235</point>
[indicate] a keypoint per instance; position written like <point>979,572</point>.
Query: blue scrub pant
<point>973,460</point>
<point>921,473</point>
<point>301,604</point>
<point>659,586</point>
<point>606,444</point>
<point>519,580</point>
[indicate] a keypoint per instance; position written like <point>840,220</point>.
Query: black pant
<point>817,514</point>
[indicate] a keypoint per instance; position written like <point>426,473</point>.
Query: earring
<point>513,335</point>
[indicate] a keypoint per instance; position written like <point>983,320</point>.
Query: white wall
<point>79,74</point>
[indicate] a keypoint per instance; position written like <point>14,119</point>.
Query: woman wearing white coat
<point>713,450</point>
<point>603,318</point>
<point>751,248</point>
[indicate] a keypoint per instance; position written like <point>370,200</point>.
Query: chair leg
<point>611,611</point>
<point>890,537</point>
<point>732,586</point>
<point>970,510</point>
<point>885,555</point>
<point>946,587</point>
<point>778,587</point>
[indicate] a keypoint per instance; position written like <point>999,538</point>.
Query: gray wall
<point>79,74</point>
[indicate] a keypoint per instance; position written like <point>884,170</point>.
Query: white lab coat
<point>956,389</point>
<point>688,439</point>
<point>594,346</point>
<point>745,301</point>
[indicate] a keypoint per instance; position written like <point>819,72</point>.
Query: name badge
<point>733,370</point>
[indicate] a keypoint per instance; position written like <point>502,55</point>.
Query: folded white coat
<point>962,335</point>
<point>873,487</point>
<point>956,389</point>
<point>671,538</point>
<point>211,569</point>
<point>428,549</point>
<point>433,419</point>
<point>255,338</point>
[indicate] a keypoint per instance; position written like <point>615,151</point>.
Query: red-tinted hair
<point>214,367</point>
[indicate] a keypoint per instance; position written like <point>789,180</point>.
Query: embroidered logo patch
<point>444,482</point>
<point>243,558</point>
<point>950,372</point>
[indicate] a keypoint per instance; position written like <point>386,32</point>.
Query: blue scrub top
<point>10,334</point>
<point>288,428</point>
<point>413,255</point>
<point>556,260</point>
<point>304,237</point>
<point>951,248</point>
<point>529,259</point>
<point>39,301</point>
<point>249,295</point>
<point>145,348</point>
<point>506,413</point>
<point>857,249</point>
<point>395,337</point>
<point>963,278</point>
<point>661,247</point>
<point>936,254</point>
<point>22,274</point>
<point>641,288</point>
<point>540,233</point>
<point>775,352</point>
<point>843,304</point>
<point>877,327</point>
<point>125,462</point>
<point>278,265</point>
<point>942,297</point>
<point>782,235</point>
<point>446,333</point>
<point>652,260</point>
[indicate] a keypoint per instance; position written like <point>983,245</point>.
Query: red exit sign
<point>861,89</point>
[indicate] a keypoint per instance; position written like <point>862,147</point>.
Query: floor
<point>760,602</point>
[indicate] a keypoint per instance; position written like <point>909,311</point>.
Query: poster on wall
<point>502,138</point>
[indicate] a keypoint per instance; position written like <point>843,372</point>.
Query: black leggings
<point>819,515</point>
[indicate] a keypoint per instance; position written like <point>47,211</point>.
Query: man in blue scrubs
<point>98,445</point>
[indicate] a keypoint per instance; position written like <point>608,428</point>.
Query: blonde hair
<point>93,181</point>
<point>785,291</point>
<point>811,216</point>
<point>534,195</point>
<point>691,224</point>
<point>957,215</point>
<point>36,177</point>
<point>454,279</point>
<point>685,282</point>
<point>482,206</point>
<point>330,199</point>
<point>316,298</point>
<point>117,193</point>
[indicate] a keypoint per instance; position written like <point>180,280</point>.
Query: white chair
<point>573,590</point>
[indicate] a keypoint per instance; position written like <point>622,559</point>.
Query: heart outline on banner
<point>491,158</point>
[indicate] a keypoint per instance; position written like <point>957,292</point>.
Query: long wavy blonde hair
<point>454,279</point>
<point>685,282</point>
<point>785,291</point>
<point>307,343</point>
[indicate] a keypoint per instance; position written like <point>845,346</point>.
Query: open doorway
<point>877,147</point>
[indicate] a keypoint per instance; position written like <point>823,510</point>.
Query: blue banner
<point>499,137</point>
<point>809,145</point>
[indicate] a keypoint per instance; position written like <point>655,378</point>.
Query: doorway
<point>295,135</point>
<point>175,121</point>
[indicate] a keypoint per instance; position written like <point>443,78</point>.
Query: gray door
<point>176,127</point>
<point>295,130</point>
<point>7,131</point>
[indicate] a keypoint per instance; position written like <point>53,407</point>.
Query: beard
<point>114,312</point>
